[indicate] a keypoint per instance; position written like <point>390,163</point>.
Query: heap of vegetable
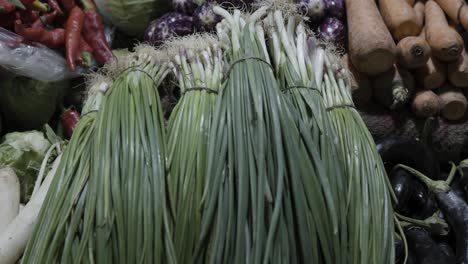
<point>61,24</point>
<point>429,56</point>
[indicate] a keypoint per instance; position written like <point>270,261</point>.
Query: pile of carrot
<point>409,53</point>
<point>59,24</point>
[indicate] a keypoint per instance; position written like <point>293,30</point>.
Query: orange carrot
<point>361,88</point>
<point>413,52</point>
<point>458,71</point>
<point>419,10</point>
<point>456,10</point>
<point>371,47</point>
<point>446,44</point>
<point>410,2</point>
<point>453,102</point>
<point>432,75</point>
<point>425,103</point>
<point>400,18</point>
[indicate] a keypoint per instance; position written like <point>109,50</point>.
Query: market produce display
<point>234,131</point>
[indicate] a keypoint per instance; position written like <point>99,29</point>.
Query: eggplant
<point>170,25</point>
<point>184,6</point>
<point>204,18</point>
<point>399,251</point>
<point>415,154</point>
<point>464,182</point>
<point>455,210</point>
<point>333,30</point>
<point>447,250</point>
<point>424,248</point>
<point>413,198</point>
<point>313,9</point>
<point>335,8</point>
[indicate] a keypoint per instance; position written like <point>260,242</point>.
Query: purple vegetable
<point>204,18</point>
<point>240,4</point>
<point>335,8</point>
<point>334,30</point>
<point>169,25</point>
<point>314,9</point>
<point>184,6</point>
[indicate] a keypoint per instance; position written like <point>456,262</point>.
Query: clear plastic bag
<point>36,62</point>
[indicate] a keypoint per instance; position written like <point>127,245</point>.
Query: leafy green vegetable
<point>27,103</point>
<point>24,152</point>
<point>131,16</point>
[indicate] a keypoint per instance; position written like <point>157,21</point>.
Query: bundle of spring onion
<point>267,198</point>
<point>57,236</point>
<point>370,213</point>
<point>197,65</point>
<point>290,49</point>
<point>128,214</point>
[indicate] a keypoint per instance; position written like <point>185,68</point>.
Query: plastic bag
<point>36,62</point>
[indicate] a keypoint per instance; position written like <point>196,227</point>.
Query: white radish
<point>9,196</point>
<point>15,237</point>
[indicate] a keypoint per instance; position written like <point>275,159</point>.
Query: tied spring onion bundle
<point>261,178</point>
<point>291,50</point>
<point>197,66</point>
<point>57,236</point>
<point>128,213</point>
<point>370,213</point>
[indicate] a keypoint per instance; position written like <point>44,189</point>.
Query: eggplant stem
<point>435,224</point>
<point>434,186</point>
<point>403,237</point>
<point>452,173</point>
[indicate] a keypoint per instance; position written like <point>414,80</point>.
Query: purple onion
<point>170,25</point>
<point>314,9</point>
<point>205,18</point>
<point>335,8</point>
<point>184,6</point>
<point>240,4</point>
<point>334,30</point>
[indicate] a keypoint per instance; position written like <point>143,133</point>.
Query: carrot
<point>393,88</point>
<point>400,18</point>
<point>361,88</point>
<point>73,36</point>
<point>456,10</point>
<point>425,103</point>
<point>446,44</point>
<point>432,75</point>
<point>371,47</point>
<point>453,102</point>
<point>458,71</point>
<point>419,11</point>
<point>413,52</point>
<point>410,2</point>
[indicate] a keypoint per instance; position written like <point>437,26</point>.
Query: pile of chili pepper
<point>59,24</point>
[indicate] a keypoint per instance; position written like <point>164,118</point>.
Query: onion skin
<point>170,25</point>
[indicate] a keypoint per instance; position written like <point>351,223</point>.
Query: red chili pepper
<point>73,35</point>
<point>67,5</point>
<point>45,19</point>
<point>93,32</point>
<point>69,120</point>
<point>53,39</point>
<point>55,6</point>
<point>86,54</point>
<point>6,7</point>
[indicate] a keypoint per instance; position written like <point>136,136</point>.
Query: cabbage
<point>131,16</point>
<point>28,104</point>
<point>24,152</point>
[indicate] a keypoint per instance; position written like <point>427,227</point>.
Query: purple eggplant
<point>335,8</point>
<point>170,25</point>
<point>313,9</point>
<point>204,17</point>
<point>333,30</point>
<point>184,6</point>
